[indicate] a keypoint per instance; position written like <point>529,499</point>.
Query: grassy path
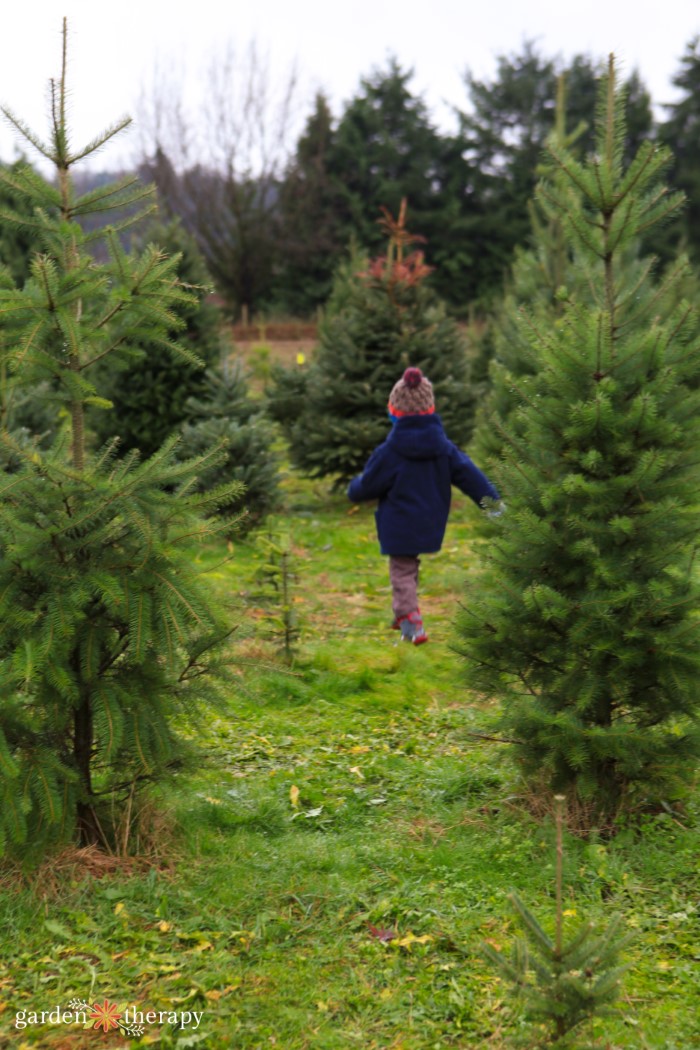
<point>342,846</point>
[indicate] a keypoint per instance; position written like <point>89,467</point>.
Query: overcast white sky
<point>116,48</point>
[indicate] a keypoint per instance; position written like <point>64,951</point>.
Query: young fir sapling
<point>582,618</point>
<point>108,634</point>
<point>562,984</point>
<point>277,576</point>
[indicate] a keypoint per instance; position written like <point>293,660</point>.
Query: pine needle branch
<point>101,140</point>
<point>27,133</point>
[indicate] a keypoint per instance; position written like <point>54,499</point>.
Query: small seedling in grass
<point>277,576</point>
<point>259,362</point>
<point>562,984</point>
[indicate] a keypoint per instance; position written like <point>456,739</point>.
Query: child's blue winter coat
<point>411,474</point>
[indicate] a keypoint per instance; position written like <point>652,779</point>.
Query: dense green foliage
<point>506,130</point>
<point>681,133</point>
<point>106,630</point>
<point>30,419</point>
<point>28,414</point>
<point>225,416</point>
<point>16,237</point>
<point>147,385</point>
<point>542,276</point>
<point>385,149</point>
<point>105,634</point>
<point>380,320</point>
<point>314,233</point>
<point>585,616</point>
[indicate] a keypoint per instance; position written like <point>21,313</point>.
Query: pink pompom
<point>413,377</point>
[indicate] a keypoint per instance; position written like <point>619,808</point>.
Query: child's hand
<point>497,511</point>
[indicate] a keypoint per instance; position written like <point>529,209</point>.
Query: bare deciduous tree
<point>218,166</point>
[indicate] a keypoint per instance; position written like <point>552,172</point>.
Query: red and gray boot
<point>411,628</point>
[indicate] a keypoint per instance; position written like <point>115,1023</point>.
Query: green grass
<point>336,802</point>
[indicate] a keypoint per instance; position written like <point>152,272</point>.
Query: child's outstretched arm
<point>375,480</point>
<point>469,479</point>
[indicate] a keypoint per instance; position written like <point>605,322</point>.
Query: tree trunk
<point>88,826</point>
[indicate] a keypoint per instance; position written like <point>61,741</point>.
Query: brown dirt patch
<point>283,351</point>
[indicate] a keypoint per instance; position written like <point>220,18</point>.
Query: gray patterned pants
<point>403,573</point>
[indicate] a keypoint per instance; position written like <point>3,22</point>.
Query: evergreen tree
<point>379,321</point>
<point>226,416</point>
<point>385,148</point>
<point>311,230</point>
<point>107,634</point>
<point>582,619</point>
<point>148,389</point>
<point>681,133</point>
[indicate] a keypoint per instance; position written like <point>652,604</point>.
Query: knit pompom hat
<point>412,395</point>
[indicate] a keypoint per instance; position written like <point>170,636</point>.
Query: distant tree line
<point>273,226</point>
